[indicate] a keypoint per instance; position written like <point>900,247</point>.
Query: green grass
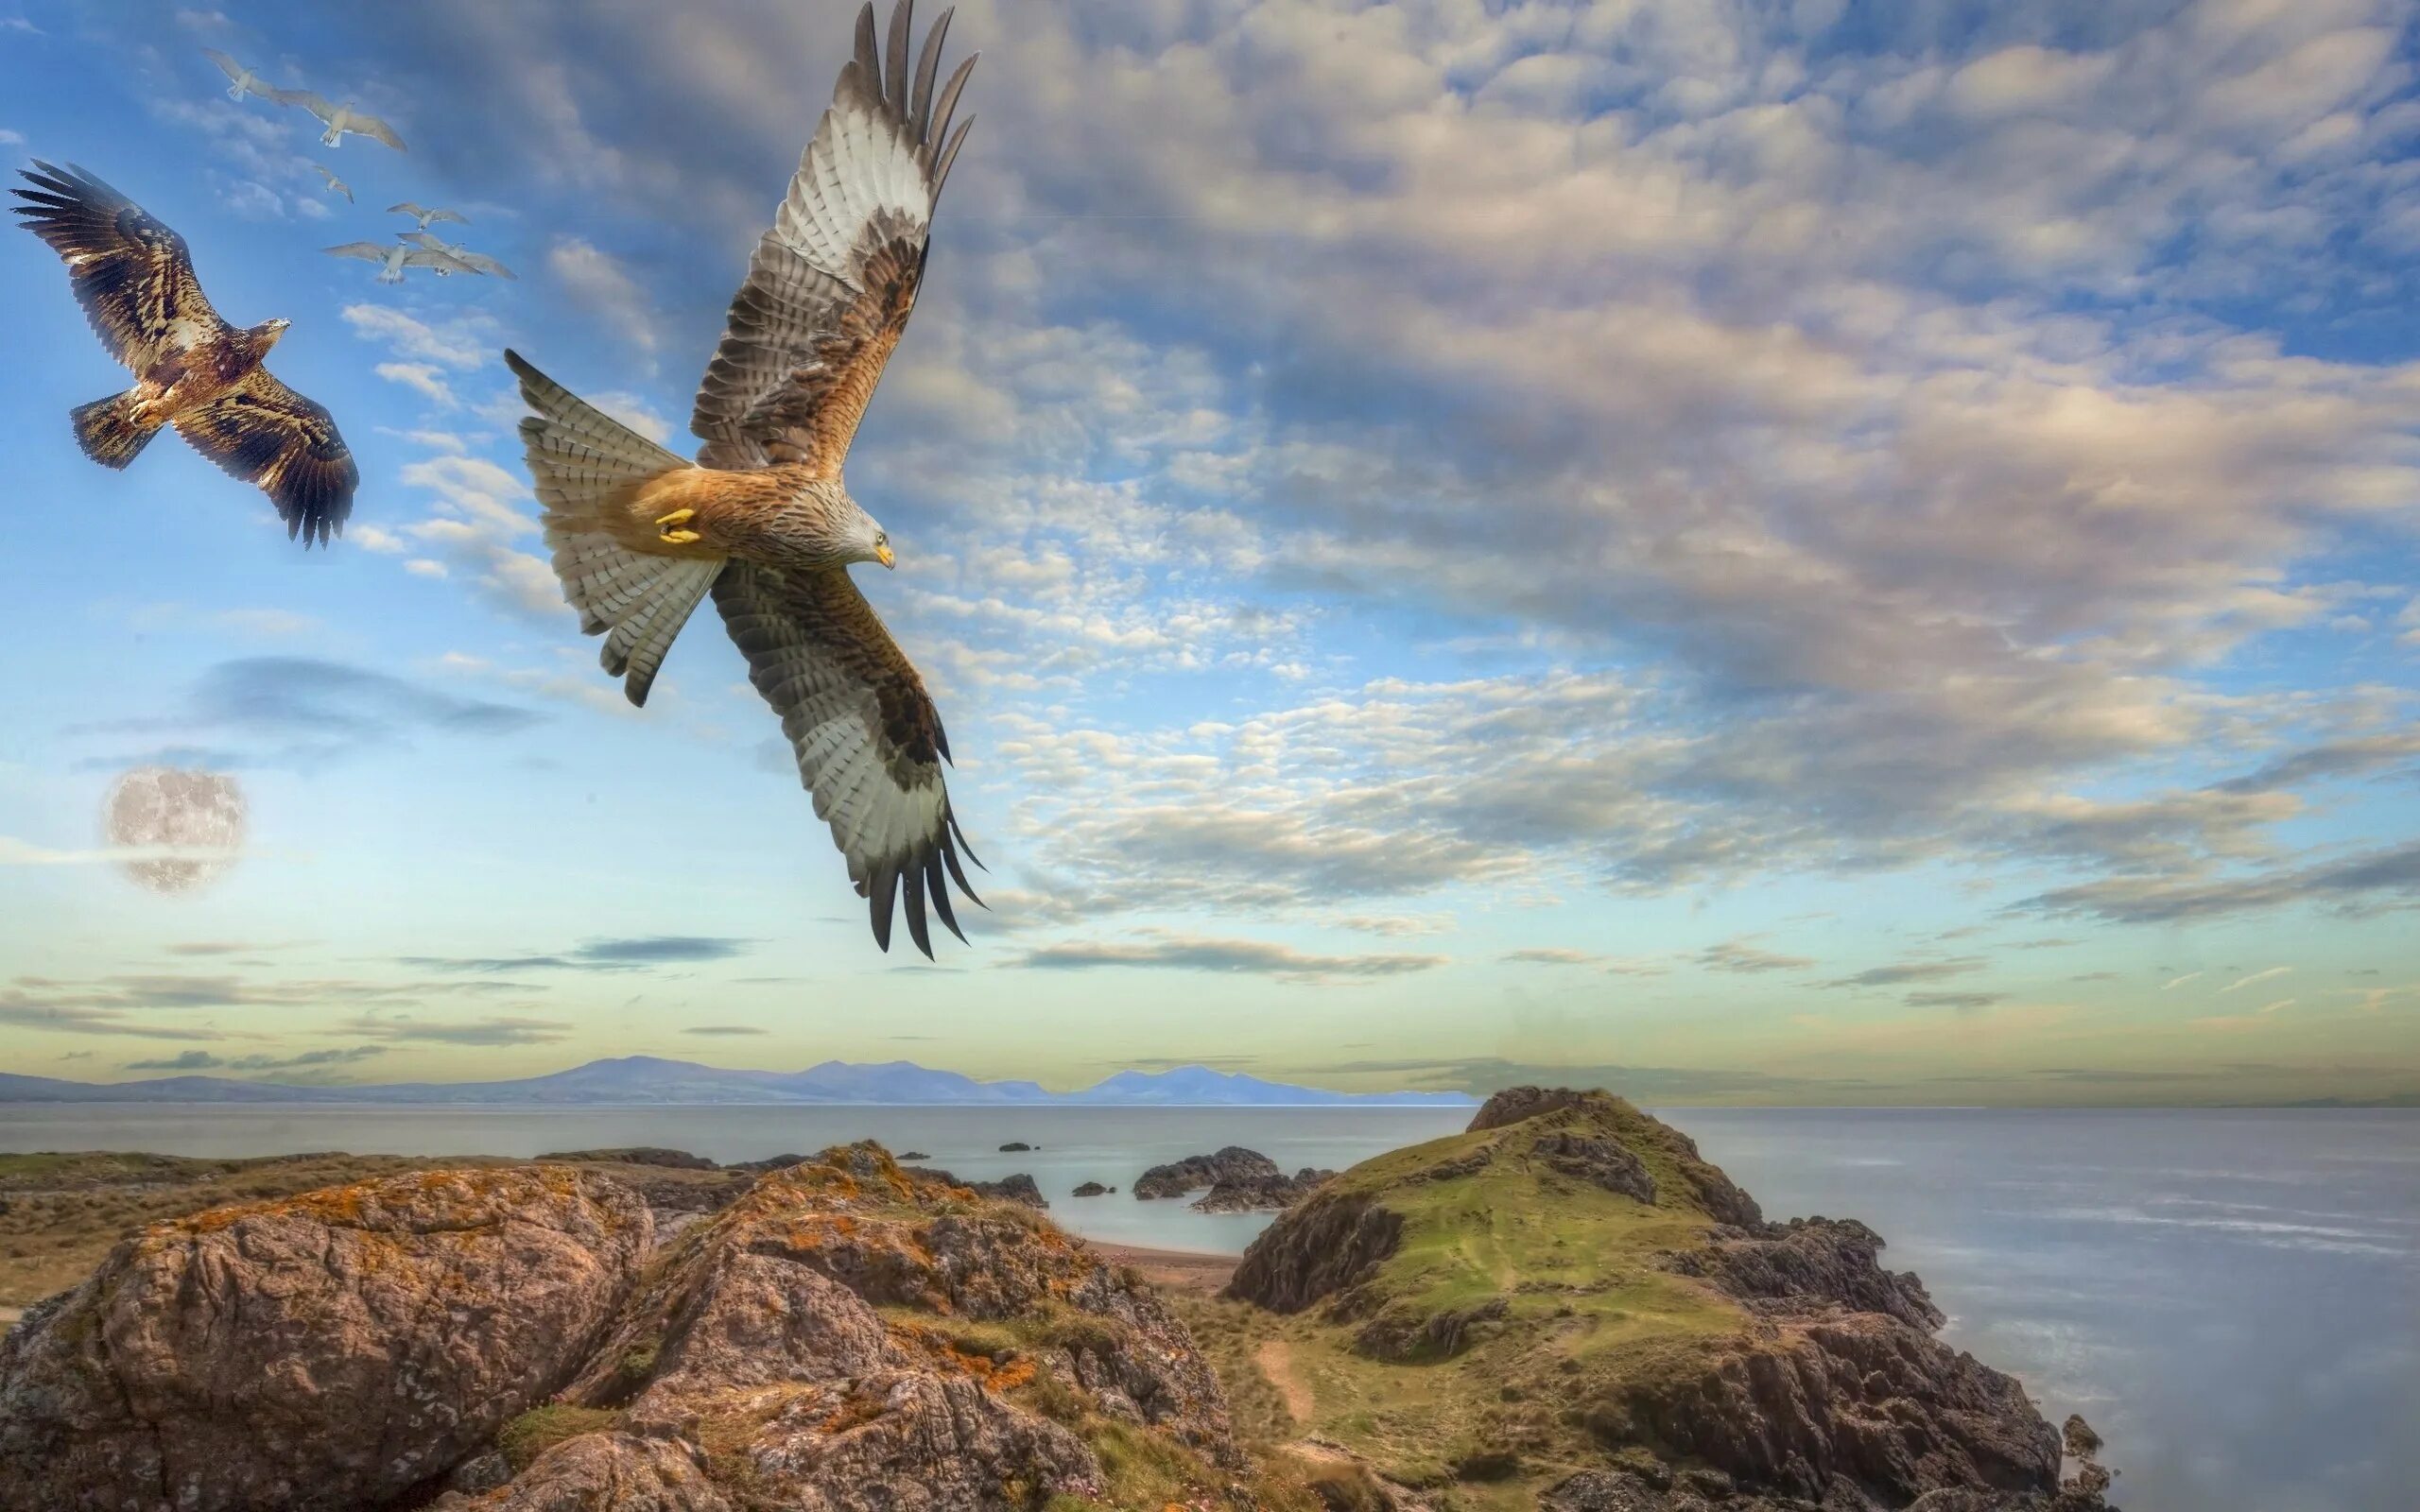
<point>1591,1315</point>
<point>541,1429</point>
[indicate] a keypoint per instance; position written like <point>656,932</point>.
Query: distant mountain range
<point>647,1079</point>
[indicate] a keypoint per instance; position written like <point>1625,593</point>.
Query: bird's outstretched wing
<point>226,65</point>
<point>442,260</point>
<point>406,208</point>
<point>311,100</point>
<point>263,431</point>
<point>367,251</point>
<point>334,182</point>
<point>869,741</point>
<point>831,285</point>
<point>474,262</point>
<point>132,274</point>
<point>455,216</point>
<point>377,131</point>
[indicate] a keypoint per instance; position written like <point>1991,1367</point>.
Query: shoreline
<point>1186,1270</point>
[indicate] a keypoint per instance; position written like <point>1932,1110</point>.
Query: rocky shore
<point>1564,1308</point>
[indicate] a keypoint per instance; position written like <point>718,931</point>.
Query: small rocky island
<point>1237,1179</point>
<point>1564,1308</point>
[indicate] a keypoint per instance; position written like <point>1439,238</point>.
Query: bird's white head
<point>867,539</point>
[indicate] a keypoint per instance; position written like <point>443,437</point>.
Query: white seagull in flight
<point>343,119</point>
<point>475,262</point>
<point>242,81</point>
<point>396,259</point>
<point>426,217</point>
<point>335,185</point>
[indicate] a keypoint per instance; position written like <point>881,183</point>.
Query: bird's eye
<point>882,538</point>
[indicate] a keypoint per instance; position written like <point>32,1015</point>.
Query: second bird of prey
<point>763,520</point>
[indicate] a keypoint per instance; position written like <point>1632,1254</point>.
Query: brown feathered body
<point>134,278</point>
<point>764,525</point>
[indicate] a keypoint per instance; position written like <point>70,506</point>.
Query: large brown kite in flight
<point>764,521</point>
<point>192,370</point>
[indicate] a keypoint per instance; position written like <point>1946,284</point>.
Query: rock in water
<point>1195,1172</point>
<point>333,1350</point>
<point>1019,1188</point>
<point>1092,1188</point>
<point>1260,1194</point>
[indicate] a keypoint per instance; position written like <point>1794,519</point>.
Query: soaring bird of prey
<point>475,262</point>
<point>242,82</point>
<point>764,521</point>
<point>335,185</point>
<point>425,217</point>
<point>193,370</point>
<point>342,120</point>
<point>395,257</point>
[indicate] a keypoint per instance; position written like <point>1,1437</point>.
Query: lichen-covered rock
<point>607,1472</point>
<point>333,1350</point>
<point>1812,1263</point>
<point>1856,1399</point>
<point>1599,1162</point>
<point>1712,1190</point>
<point>852,1334</point>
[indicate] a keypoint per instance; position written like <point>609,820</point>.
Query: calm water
<point>2232,1298</point>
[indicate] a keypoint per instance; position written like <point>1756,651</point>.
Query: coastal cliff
<point>1564,1308</point>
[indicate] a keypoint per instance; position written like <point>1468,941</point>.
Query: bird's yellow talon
<point>678,517</point>
<point>666,531</point>
<point>678,538</point>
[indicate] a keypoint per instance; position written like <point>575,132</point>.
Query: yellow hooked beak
<point>882,554</point>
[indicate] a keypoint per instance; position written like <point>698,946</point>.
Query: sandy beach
<point>1177,1269</point>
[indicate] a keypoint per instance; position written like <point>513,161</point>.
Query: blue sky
<point>1751,552</point>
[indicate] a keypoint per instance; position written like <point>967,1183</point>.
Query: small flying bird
<point>425,217</point>
<point>335,185</point>
<point>134,278</point>
<point>475,262</point>
<point>396,257</point>
<point>764,521</point>
<point>343,120</point>
<point>243,81</point>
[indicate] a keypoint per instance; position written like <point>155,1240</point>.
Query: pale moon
<point>197,815</point>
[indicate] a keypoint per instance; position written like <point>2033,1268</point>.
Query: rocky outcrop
<point>1570,1251</point>
<point>1711,1189</point>
<point>334,1351</point>
<point>852,1334</point>
<point>632,1155</point>
<point>847,1336</point>
<point>1195,1172</point>
<point>1019,1188</point>
<point>1858,1399</point>
<point>1092,1188</point>
<point>1812,1263</point>
<point>1015,1148</point>
<point>1334,1241</point>
<point>1261,1194</point>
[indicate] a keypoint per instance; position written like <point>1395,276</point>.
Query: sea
<point>2232,1298</point>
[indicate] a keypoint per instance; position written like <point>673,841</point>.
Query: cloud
<point>192,1060</point>
<point>1961,1001</point>
<point>1904,972</point>
<point>1740,956</point>
<point>1552,956</point>
<point>655,950</point>
<point>2242,982</point>
<point>2385,877</point>
<point>2175,982</point>
<point>597,283</point>
<point>720,1029</point>
<point>1252,957</point>
<point>424,378</point>
<point>636,953</point>
<point>502,1029</point>
<point>462,342</point>
<point>303,710</point>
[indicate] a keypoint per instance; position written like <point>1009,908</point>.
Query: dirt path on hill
<point>1275,1359</point>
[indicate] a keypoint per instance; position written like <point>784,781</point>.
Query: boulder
<point>1260,1194</point>
<point>1019,1188</point>
<point>1195,1172</point>
<point>1093,1189</point>
<point>331,1350</point>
